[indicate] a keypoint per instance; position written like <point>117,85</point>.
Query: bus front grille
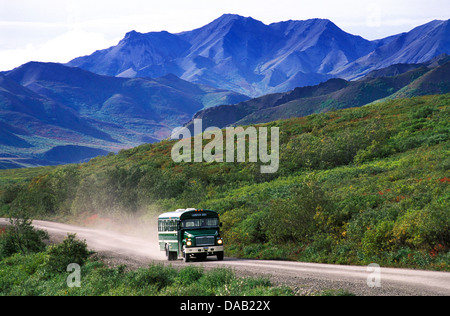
<point>205,241</point>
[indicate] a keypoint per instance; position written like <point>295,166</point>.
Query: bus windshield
<point>197,223</point>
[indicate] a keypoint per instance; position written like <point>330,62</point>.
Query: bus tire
<point>220,256</point>
<point>171,255</point>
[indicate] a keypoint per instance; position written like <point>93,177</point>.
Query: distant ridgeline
<point>45,105</point>
<point>393,82</point>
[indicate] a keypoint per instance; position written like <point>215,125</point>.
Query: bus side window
<point>168,225</point>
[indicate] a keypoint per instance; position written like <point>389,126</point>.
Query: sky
<point>60,30</point>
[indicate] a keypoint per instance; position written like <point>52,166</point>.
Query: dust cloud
<point>128,235</point>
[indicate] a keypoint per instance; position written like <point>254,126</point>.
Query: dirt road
<point>118,248</point>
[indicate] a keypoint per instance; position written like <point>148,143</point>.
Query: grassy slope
<point>32,277</point>
<point>355,186</point>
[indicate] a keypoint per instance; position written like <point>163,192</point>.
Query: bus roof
<point>187,213</point>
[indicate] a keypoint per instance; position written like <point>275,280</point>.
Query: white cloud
<point>62,48</point>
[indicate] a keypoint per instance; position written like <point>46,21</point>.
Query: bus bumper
<point>208,250</point>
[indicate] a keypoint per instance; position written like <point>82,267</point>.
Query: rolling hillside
<point>355,186</point>
<point>46,105</point>
<point>396,81</point>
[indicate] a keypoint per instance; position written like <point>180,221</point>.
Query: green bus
<point>190,233</point>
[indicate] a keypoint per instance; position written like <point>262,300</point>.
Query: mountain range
<point>247,56</point>
<point>396,81</point>
<point>139,90</point>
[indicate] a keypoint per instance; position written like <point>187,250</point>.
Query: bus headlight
<point>219,241</point>
<point>189,243</point>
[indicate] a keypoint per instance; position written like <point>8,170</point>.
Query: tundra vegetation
<point>31,268</point>
<point>354,186</point>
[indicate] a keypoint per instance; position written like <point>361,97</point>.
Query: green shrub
<point>424,229</point>
<point>216,278</point>
<point>189,275</point>
<point>422,112</point>
<point>155,275</point>
<point>292,219</point>
<point>69,251</point>
<point>375,150</point>
<point>21,237</point>
<point>18,273</point>
<point>378,239</point>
